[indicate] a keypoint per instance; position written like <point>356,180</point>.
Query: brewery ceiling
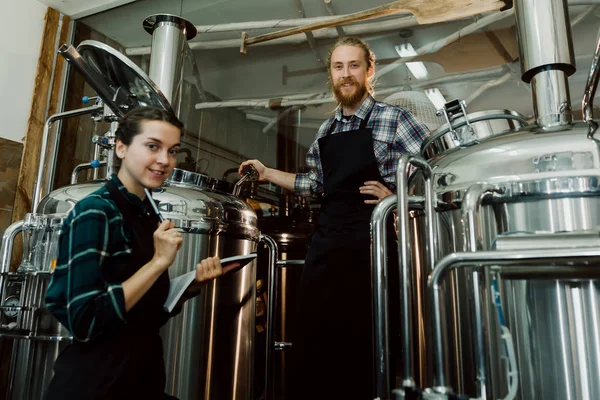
<point>481,67</point>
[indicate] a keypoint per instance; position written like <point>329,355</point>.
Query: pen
<point>154,206</point>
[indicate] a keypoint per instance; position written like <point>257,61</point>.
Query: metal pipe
<point>379,283</point>
<point>327,33</point>
<point>543,25</point>
<point>323,98</point>
<point>84,166</point>
<point>436,45</point>
<point>169,34</point>
<point>551,99</point>
<point>526,260</point>
<point>590,91</point>
<point>97,151</point>
<point>469,209</point>
<point>110,152</point>
<point>272,291</point>
<point>473,242</point>
<point>42,187</point>
<point>331,11</point>
<point>379,268</point>
<point>62,98</point>
<point>8,239</point>
<point>404,249</point>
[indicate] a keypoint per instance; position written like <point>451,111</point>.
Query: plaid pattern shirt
<point>93,239</point>
<point>395,131</point>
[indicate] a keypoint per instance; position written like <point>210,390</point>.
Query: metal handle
<point>83,166</point>
<point>590,90</point>
<point>272,293</point>
<point>250,175</point>
<point>8,239</point>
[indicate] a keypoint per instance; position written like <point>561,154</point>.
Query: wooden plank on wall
<point>47,83</point>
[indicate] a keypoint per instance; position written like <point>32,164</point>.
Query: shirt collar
<point>361,112</point>
<point>130,197</point>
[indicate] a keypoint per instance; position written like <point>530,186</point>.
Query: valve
<point>87,99</point>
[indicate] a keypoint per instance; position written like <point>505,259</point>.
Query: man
<point>352,165</point>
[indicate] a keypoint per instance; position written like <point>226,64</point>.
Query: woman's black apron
<point>334,345</point>
<point>127,363</point>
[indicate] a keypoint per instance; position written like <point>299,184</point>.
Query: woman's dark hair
<point>131,123</point>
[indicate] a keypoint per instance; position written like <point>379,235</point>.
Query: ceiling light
<point>436,97</point>
<point>416,68</point>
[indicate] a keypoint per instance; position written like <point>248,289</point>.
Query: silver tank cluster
<point>499,242</point>
<point>209,346</point>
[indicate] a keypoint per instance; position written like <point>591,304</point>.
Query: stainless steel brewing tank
<point>549,183</point>
<point>209,346</point>
<point>462,132</point>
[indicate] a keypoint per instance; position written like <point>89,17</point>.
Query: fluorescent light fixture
<point>417,68</point>
<point>436,97</point>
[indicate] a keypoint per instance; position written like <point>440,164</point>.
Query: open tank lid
<point>120,83</point>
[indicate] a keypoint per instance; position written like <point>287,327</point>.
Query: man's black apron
<point>334,346</point>
<point>127,363</point>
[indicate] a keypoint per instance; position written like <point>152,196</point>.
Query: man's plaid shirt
<point>395,131</point>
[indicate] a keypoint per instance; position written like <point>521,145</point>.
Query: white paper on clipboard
<point>182,282</point>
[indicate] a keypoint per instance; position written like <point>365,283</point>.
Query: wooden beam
<point>44,99</point>
<point>425,11</point>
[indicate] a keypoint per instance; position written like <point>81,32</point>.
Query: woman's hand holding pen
<point>167,241</point>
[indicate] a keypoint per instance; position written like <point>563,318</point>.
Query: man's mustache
<point>345,81</point>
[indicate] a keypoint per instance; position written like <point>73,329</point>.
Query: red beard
<point>352,99</point>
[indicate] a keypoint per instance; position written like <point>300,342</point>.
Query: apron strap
<point>363,123</point>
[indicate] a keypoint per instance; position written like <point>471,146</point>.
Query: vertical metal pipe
<point>551,99</point>
<point>62,101</point>
<point>110,153</point>
<point>379,283</point>
<point>545,48</point>
<point>404,249</point>
<point>169,34</point>
<point>272,301</point>
<point>473,242</point>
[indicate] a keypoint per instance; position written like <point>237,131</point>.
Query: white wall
<point>20,40</point>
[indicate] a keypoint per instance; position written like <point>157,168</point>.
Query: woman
<point>111,278</point>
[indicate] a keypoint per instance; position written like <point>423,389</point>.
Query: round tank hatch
<point>465,131</point>
<point>120,83</point>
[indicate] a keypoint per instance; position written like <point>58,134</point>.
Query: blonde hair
<point>356,42</point>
